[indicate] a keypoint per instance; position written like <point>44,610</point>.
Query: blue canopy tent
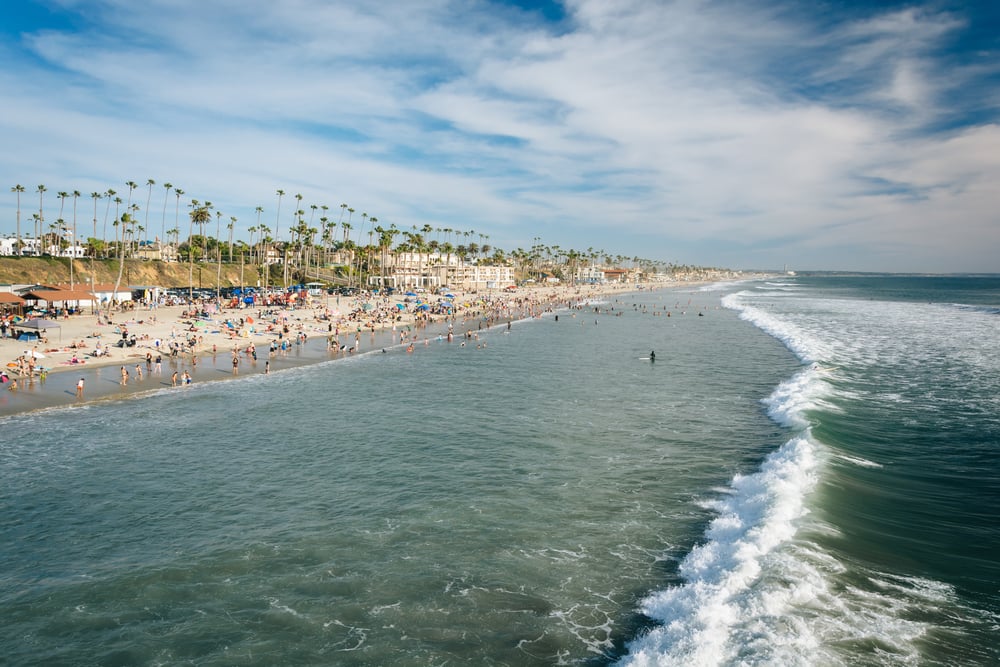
<point>39,325</point>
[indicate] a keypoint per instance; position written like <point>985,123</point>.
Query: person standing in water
<point>652,356</point>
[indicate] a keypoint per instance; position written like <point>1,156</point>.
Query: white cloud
<point>738,134</point>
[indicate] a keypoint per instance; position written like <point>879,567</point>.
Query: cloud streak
<point>714,133</point>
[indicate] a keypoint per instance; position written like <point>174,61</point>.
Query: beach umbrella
<point>450,296</point>
<point>32,353</point>
<point>411,294</point>
<point>401,306</point>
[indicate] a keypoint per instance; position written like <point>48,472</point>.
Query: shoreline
<point>210,359</point>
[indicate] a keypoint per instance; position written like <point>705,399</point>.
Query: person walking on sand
<point>79,388</point>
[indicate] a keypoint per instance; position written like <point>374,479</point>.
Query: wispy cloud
<point>732,133</point>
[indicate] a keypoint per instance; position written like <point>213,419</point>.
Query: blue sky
<point>823,135</point>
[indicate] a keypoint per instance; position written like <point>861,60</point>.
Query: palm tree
<point>126,221</point>
<point>163,221</point>
<point>41,216</point>
<point>350,214</point>
<point>297,214</point>
<point>62,203</point>
<point>277,216</point>
<point>72,249</point>
<point>18,189</point>
<point>218,254</point>
<point>149,197</point>
<point>200,215</point>
<point>132,185</point>
<point>95,196</point>
<point>204,238</point>
<point>107,209</point>
<point>177,225</point>
<point>259,210</point>
<point>230,226</point>
<point>118,203</point>
<point>252,229</point>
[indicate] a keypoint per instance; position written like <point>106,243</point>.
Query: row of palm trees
<point>312,242</point>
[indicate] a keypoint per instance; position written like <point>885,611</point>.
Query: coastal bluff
<point>55,270</point>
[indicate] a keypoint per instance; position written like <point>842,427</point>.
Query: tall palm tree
<point>149,197</point>
<point>204,237</point>
<point>177,222</point>
<point>62,196</point>
<point>163,221</point>
<point>218,254</point>
<point>95,196</point>
<point>41,215</point>
<point>132,185</point>
<point>259,210</point>
<point>277,216</point>
<point>72,248</point>
<point>230,226</point>
<point>109,193</point>
<point>18,189</point>
<point>277,219</point>
<point>350,214</point>
<point>252,229</point>
<point>116,223</point>
<point>34,227</point>
<point>126,222</point>
<point>296,215</point>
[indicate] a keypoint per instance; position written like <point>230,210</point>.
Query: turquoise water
<point>805,475</point>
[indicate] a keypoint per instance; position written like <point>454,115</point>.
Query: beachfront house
<point>430,270</point>
<point>153,250</point>
<point>474,277</point>
<point>29,247</point>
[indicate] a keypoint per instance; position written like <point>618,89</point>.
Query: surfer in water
<point>652,356</point>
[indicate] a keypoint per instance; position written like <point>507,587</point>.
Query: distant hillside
<point>51,270</point>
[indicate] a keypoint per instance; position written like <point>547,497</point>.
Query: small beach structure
<point>39,325</point>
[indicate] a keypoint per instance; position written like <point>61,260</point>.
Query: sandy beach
<point>203,342</point>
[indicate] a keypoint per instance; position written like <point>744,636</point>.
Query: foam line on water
<point>722,575</point>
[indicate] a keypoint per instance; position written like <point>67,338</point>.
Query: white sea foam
<point>745,582</point>
<point>802,343</point>
<point>760,589</point>
<point>740,578</point>
<point>723,595</point>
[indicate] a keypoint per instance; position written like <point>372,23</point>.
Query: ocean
<point>807,474</point>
